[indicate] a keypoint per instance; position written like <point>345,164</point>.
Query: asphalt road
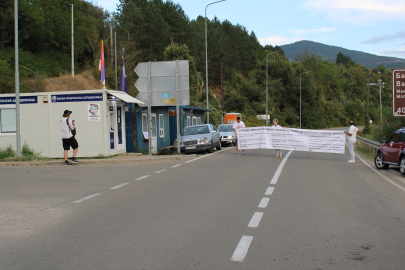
<point>220,211</point>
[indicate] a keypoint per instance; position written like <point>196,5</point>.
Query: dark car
<point>392,152</point>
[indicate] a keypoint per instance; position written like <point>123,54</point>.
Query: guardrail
<point>372,146</point>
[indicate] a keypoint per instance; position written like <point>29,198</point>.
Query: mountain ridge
<point>329,52</point>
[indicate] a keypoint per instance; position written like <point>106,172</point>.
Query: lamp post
<point>267,85</point>
<point>300,94</point>
<point>380,86</point>
<point>206,57</point>
<point>198,82</point>
<point>73,48</point>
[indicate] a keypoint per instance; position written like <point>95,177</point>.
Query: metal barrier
<point>372,146</point>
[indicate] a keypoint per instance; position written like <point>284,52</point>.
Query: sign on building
<point>398,92</point>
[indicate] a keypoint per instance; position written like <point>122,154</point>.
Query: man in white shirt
<point>236,125</point>
<point>351,140</point>
<point>68,139</point>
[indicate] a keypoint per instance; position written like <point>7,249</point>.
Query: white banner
<point>327,141</point>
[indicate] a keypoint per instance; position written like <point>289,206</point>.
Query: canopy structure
<point>124,96</point>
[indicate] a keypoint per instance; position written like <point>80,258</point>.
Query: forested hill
<point>329,53</point>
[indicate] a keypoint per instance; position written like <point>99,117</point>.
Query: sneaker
<point>67,163</point>
<point>237,154</point>
<point>74,160</point>
<point>243,154</point>
<point>351,161</point>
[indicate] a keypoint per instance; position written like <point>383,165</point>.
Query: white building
<point>98,114</point>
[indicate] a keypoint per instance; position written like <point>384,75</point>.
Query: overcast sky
<point>376,27</point>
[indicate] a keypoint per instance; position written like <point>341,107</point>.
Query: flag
<point>123,85</point>
<point>101,66</point>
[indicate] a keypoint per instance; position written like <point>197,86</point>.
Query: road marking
<point>87,198</point>
<point>264,202</point>
<point>207,155</point>
<point>383,176</point>
<point>242,248</point>
<point>254,222</point>
<point>279,169</point>
<point>116,187</point>
<point>269,191</point>
<point>176,165</point>
<point>142,177</point>
<point>161,171</point>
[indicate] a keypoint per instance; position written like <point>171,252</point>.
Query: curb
<point>96,161</point>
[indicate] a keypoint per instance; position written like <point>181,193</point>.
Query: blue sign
<point>77,97</point>
<point>165,96</point>
<point>23,100</point>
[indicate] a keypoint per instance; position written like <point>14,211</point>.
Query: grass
<point>365,153</point>
<point>27,154</point>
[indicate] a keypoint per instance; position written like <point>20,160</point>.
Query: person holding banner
<point>236,125</point>
<point>351,141</point>
<point>279,152</point>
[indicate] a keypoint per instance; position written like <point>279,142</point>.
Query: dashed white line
<point>254,222</point>
<point>264,202</point>
<point>116,187</point>
<point>176,165</point>
<point>87,198</point>
<point>242,248</point>
<point>269,191</point>
<point>142,177</point>
<point>161,171</point>
<point>279,169</point>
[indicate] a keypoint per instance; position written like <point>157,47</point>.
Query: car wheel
<point>379,164</point>
<point>402,166</point>
<point>219,146</point>
<point>211,150</point>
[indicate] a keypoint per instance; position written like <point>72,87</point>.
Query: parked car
<point>392,152</point>
<point>227,134</point>
<point>199,138</point>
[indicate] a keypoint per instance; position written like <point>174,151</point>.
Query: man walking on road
<point>236,125</point>
<point>68,139</point>
<point>351,140</point>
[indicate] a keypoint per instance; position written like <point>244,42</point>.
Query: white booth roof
<point>124,96</point>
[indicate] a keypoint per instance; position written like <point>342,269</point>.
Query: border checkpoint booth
<point>99,116</point>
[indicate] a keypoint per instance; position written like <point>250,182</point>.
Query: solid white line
<point>242,248</point>
<point>116,187</point>
<point>87,198</point>
<point>269,191</point>
<point>176,165</point>
<point>264,202</point>
<point>279,169</point>
<point>142,177</point>
<point>380,174</point>
<point>161,171</point>
<point>207,155</point>
<point>254,222</point>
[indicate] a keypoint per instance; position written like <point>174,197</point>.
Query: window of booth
<point>199,121</point>
<point>8,121</point>
<point>188,121</point>
<point>194,120</point>
<point>144,122</point>
<point>161,126</point>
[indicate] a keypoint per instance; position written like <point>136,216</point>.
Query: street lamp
<point>300,94</point>
<point>198,82</point>
<point>206,57</point>
<point>73,48</point>
<point>267,85</point>
<point>379,84</point>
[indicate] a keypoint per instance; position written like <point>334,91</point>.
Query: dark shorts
<point>71,142</point>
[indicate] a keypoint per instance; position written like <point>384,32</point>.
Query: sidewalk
<point>125,158</point>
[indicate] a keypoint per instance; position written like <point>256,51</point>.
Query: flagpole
<point>115,42</point>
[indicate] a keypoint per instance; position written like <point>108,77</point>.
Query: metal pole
<point>379,86</point>
<point>198,82</point>
<point>206,58</point>
<point>149,111</point>
<point>17,80</point>
<point>73,47</point>
<point>267,86</point>
<point>300,94</point>
<point>115,42</point>
<point>178,106</point>
<point>222,83</point>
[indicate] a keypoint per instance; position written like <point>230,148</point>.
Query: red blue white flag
<point>101,66</point>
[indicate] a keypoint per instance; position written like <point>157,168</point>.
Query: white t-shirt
<point>278,126</point>
<point>66,133</point>
<point>352,130</point>
<point>237,125</point>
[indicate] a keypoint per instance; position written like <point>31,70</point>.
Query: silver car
<point>199,138</point>
<point>227,134</point>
